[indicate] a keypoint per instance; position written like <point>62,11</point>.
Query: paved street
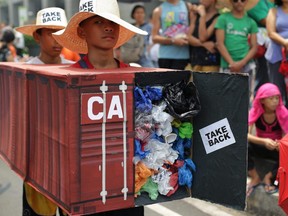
<point>11,198</point>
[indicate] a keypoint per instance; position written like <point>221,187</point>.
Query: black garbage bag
<point>182,100</point>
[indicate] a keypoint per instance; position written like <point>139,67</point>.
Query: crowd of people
<point>241,36</point>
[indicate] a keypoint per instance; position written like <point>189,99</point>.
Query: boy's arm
<point>205,33</point>
<point>267,142</point>
<point>220,38</point>
<point>156,23</point>
<point>253,49</point>
<point>193,41</point>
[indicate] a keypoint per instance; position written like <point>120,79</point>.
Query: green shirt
<point>236,31</point>
<point>260,11</point>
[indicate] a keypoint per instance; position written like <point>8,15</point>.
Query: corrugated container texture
<point>67,160</point>
<point>14,116</point>
<point>81,151</point>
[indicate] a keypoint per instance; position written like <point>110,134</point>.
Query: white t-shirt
<point>36,60</point>
<point>19,40</point>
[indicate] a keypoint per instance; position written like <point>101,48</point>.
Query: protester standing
<point>172,18</point>
<point>202,39</point>
<point>277,27</point>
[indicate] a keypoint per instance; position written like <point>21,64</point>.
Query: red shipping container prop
<point>78,127</point>
<point>79,144</point>
<point>282,174</point>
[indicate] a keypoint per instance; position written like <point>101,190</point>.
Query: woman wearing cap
<point>48,20</point>
<point>95,35</point>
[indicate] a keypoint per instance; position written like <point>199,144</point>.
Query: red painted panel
<point>13,117</point>
<point>66,152</point>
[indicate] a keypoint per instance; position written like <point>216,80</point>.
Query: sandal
<point>251,188</point>
<point>270,189</point>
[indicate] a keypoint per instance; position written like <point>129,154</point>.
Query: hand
<point>286,46</point>
<point>210,46</point>
<point>201,10</point>
<point>270,144</point>
<point>236,66</point>
<point>182,41</point>
<point>194,8</point>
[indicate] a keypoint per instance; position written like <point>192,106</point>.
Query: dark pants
<point>278,79</point>
<point>261,76</point>
<point>179,64</point>
<point>260,151</point>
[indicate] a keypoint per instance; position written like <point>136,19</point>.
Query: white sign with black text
<point>217,135</point>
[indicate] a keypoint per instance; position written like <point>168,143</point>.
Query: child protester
<point>95,31</point>
<point>270,119</point>
<point>232,31</point>
<point>48,20</point>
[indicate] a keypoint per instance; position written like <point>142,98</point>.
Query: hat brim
<point>69,38</point>
<point>227,4</point>
<point>30,29</point>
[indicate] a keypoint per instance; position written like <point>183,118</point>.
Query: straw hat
<point>227,4</point>
<point>51,18</point>
<point>107,9</point>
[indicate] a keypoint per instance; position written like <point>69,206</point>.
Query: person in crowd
<point>232,32</point>
<point>170,23</point>
<point>19,43</point>
<point>97,36</point>
<point>277,27</point>
<point>259,14</point>
<point>7,49</point>
<point>153,48</point>
<point>139,15</point>
<point>202,39</point>
<point>269,117</point>
<point>133,50</point>
<point>34,203</point>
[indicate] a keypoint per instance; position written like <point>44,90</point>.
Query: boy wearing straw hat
<point>95,31</point>
<point>48,20</point>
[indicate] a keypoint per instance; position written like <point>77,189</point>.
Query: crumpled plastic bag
<point>162,178</point>
<point>185,173</point>
<point>151,188</point>
<point>159,153</point>
<point>182,100</point>
<point>142,173</point>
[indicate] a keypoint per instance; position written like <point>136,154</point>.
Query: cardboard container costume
<point>81,149</point>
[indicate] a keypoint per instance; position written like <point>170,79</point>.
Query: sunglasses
<point>235,1</point>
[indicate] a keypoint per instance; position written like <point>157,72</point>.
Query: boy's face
<point>239,5</point>
<point>99,32</point>
<point>47,43</point>
<point>139,15</point>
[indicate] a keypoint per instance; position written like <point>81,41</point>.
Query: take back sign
<point>92,108</point>
<point>217,135</point>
